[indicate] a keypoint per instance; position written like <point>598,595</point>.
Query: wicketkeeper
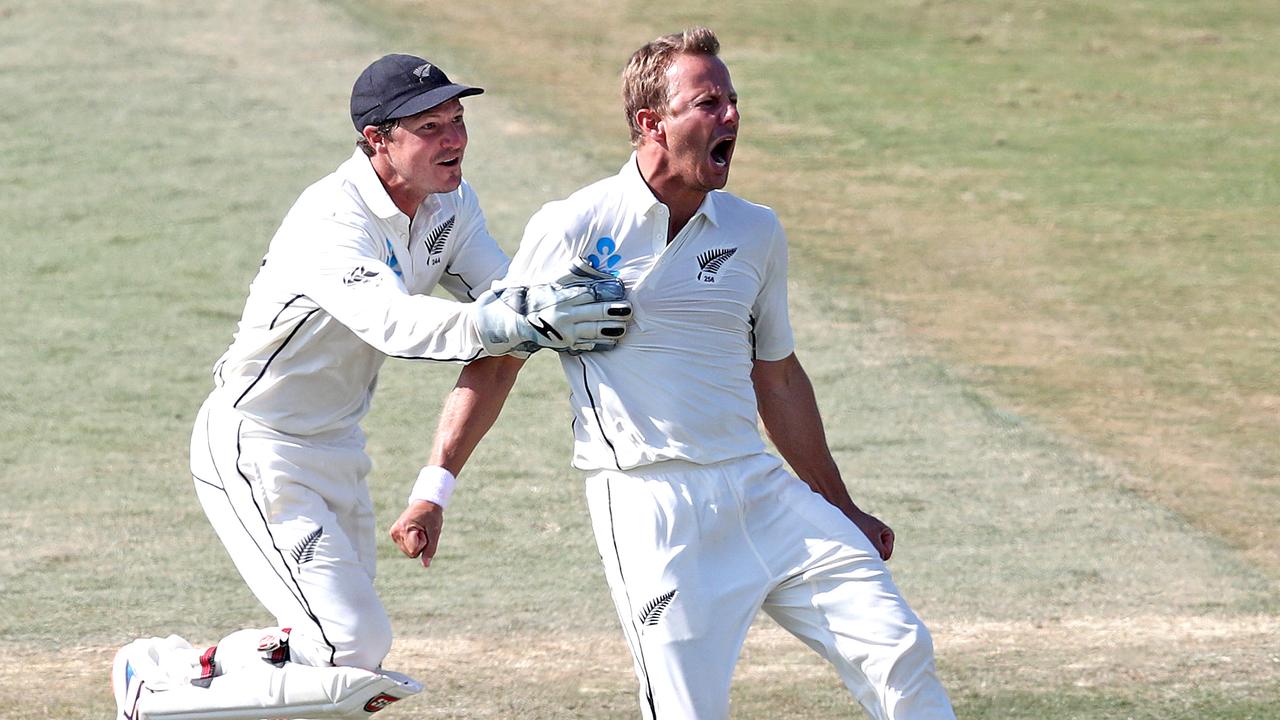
<point>277,454</point>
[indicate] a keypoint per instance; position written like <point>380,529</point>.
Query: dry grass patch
<point>1164,656</point>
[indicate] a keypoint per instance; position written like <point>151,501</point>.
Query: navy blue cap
<point>397,86</point>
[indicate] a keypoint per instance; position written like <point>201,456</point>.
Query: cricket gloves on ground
<point>583,311</point>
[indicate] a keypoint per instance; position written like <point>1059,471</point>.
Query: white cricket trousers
<point>295,515</point>
<point>693,552</point>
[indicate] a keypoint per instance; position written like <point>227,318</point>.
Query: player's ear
<point>651,127</point>
<point>373,137</point>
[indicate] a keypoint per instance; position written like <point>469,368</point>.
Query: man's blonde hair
<point>644,80</point>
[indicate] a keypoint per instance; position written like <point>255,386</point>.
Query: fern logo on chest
<point>710,262</point>
<point>436,240</point>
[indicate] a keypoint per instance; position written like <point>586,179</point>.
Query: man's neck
<point>405,197</point>
<point>681,200</point>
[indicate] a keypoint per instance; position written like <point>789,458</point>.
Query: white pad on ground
<point>291,691</point>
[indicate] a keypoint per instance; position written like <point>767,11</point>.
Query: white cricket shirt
<point>678,386</point>
<point>344,285</point>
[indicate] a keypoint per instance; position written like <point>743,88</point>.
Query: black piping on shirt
<point>596,411</point>
<point>267,364</point>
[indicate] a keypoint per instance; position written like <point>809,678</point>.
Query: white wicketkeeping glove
<point>584,310</point>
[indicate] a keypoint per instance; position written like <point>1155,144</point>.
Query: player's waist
<point>593,452</point>
<point>330,427</point>
<point>686,470</point>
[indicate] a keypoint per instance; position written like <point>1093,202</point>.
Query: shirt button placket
<point>660,230</point>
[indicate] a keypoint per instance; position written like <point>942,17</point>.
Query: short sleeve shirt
<point>345,283</point>
<point>678,386</point>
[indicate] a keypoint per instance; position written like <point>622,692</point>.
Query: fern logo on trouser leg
<point>652,611</point>
<point>305,551</point>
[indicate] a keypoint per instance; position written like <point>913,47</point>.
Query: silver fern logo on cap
<point>422,71</point>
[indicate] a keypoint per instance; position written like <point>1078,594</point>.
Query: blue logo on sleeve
<point>393,263</point>
<point>604,258</point>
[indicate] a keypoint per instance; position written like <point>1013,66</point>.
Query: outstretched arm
<point>785,400</point>
<point>469,411</point>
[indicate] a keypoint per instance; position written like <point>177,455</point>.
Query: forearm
<point>784,397</point>
<point>789,410</point>
<point>471,409</point>
<point>469,412</point>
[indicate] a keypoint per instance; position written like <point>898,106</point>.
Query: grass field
<point>1034,257</point>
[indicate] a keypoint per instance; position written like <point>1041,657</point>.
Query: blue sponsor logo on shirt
<point>393,263</point>
<point>605,257</point>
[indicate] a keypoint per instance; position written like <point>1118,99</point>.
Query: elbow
<point>500,370</point>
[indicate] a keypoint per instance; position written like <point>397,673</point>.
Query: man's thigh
<point>837,595</point>
<point>684,584</point>
<point>282,509</point>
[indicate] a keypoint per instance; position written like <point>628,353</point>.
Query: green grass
<point>1073,203</point>
<point>1032,246</point>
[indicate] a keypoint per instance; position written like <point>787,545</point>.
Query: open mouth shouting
<point>451,162</point>
<point>722,152</point>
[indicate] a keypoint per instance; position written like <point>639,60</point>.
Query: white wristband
<point>435,485</point>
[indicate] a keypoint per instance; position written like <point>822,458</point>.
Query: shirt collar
<point>359,170</point>
<point>638,192</point>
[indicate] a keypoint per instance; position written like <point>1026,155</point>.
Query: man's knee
<point>912,663</point>
<point>368,644</point>
<point>362,642</point>
<point>919,646</point>
<point>913,690</point>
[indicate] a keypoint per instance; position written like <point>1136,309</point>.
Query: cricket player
<point>700,528</point>
<point>277,453</point>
